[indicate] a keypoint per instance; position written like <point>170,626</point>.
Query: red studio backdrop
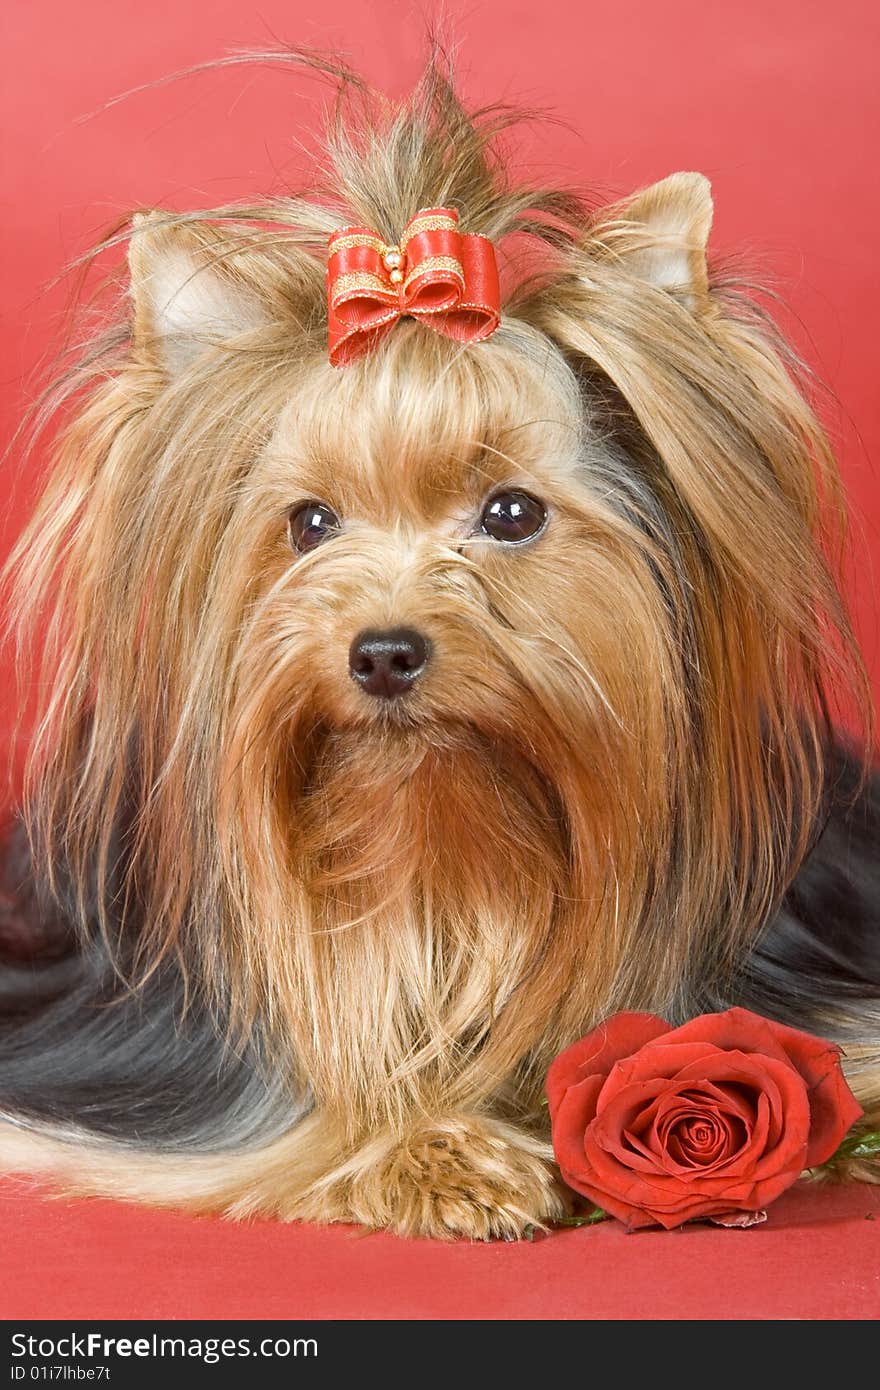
<point>775,100</point>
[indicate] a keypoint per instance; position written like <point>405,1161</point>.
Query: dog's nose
<point>388,663</point>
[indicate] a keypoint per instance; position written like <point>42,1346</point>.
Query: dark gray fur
<point>817,966</point>
<point>78,1048</point>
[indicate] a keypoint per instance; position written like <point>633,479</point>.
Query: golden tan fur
<point>424,906</point>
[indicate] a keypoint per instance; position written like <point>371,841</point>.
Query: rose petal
<point>661,1191</point>
<point>575,1110</point>
<point>733,1030</point>
<point>751,1178</point>
<point>813,1057</point>
<point>673,1137</point>
<point>789,1105</point>
<point>742,1219</point>
<point>709,1099</point>
<point>760,1134</point>
<point>650,1063</point>
<point>833,1107</point>
<point>721,1147</point>
<point>641,1126</point>
<point>619,1132</point>
<point>639,1215</point>
<point>738,1102</point>
<point>633,1216</point>
<point>623,1114</point>
<point>596,1053</point>
<point>613,1165</point>
<point>640,1203</point>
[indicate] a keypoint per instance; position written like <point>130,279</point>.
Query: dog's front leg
<point>469,1175</point>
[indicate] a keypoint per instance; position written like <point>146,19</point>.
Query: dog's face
<point>429,491</point>
<point>432,554</point>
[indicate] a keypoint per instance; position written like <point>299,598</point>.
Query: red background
<point>777,101</point>
<point>817,1256</point>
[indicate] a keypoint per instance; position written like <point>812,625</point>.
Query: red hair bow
<point>436,274</point>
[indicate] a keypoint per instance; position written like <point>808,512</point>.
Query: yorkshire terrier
<point>410,702</point>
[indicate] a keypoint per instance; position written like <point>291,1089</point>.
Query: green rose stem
<point>864,1144</point>
<point>591,1218</point>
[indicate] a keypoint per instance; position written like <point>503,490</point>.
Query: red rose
<point>659,1126</point>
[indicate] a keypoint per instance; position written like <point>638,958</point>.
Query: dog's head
<point>539,626</point>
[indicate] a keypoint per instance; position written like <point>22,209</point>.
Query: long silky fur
<point>383,925</point>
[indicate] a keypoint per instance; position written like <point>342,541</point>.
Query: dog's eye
<point>513,517</point>
<point>310,523</point>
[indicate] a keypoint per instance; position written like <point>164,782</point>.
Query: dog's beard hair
<point>429,912</point>
<point>427,888</point>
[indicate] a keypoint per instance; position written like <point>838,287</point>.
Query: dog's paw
<point>467,1176</point>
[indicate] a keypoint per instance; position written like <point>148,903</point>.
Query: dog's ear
<point>661,235</point>
<point>193,286</point>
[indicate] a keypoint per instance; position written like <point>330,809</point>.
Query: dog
<point>404,715</point>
